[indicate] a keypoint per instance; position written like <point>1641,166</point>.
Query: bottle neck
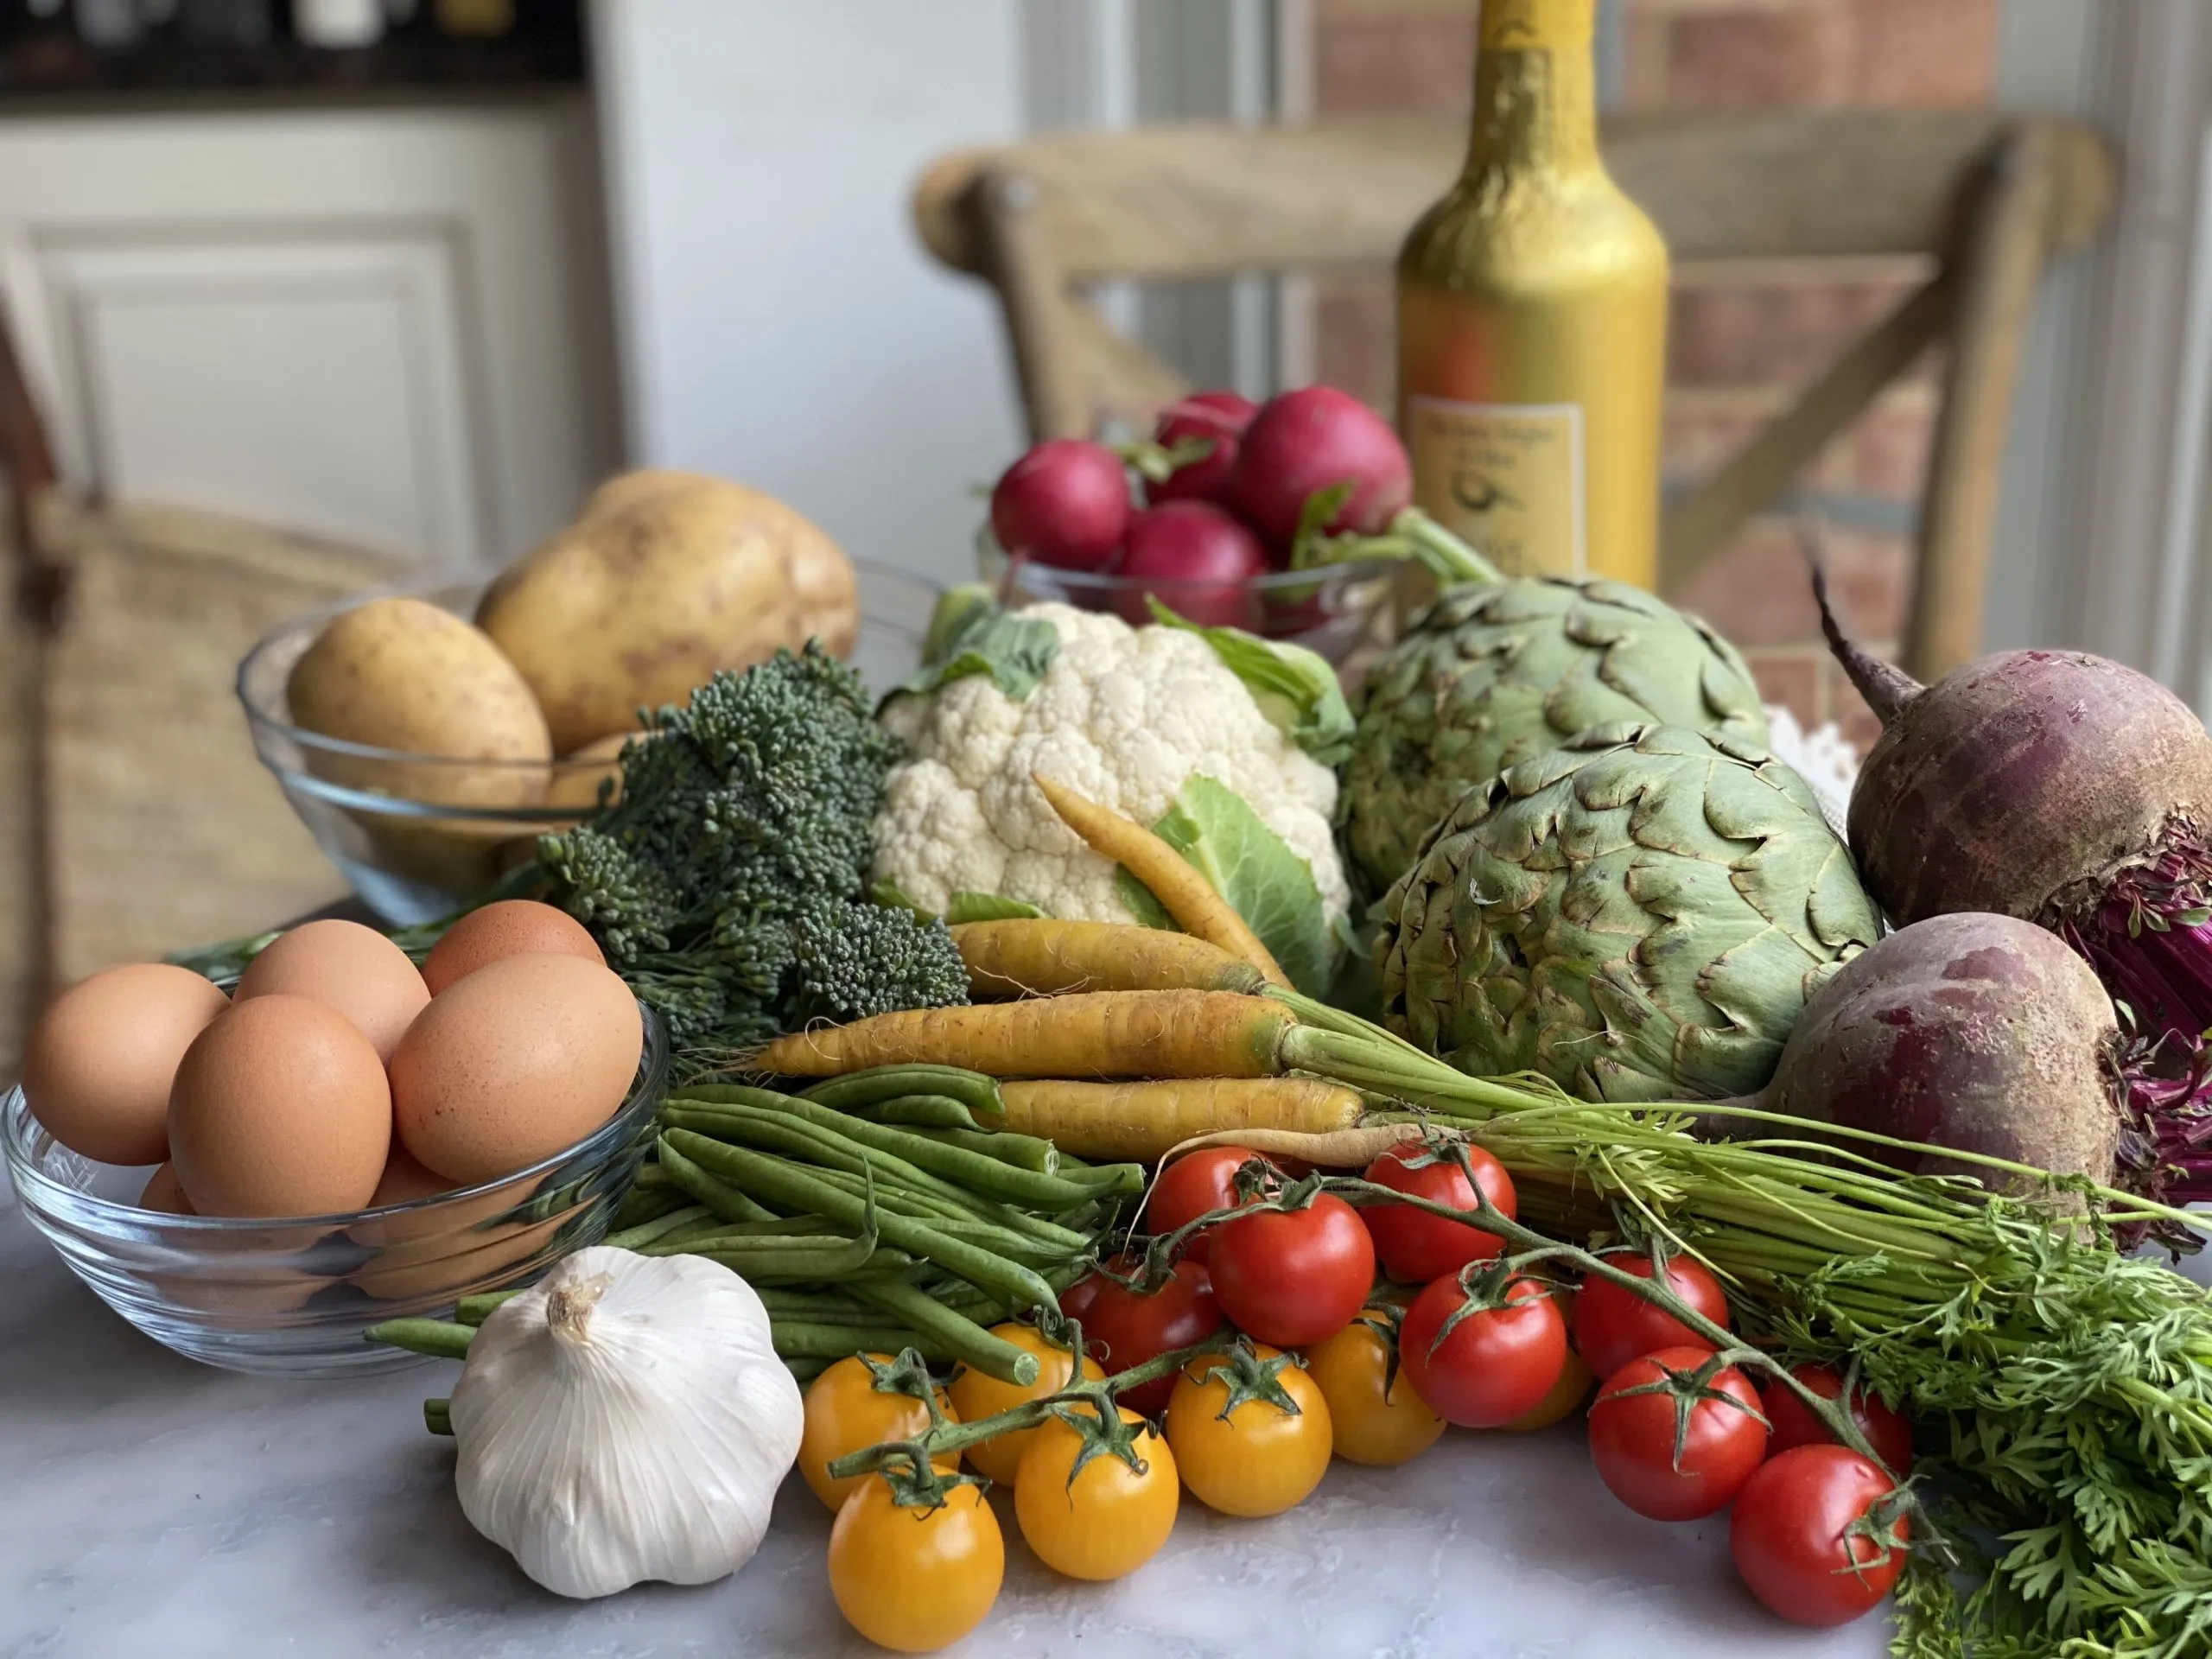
<point>1535,88</point>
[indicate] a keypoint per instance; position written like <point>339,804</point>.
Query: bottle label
<point>1507,477</point>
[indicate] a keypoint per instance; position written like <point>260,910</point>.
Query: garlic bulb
<point>624,1419</point>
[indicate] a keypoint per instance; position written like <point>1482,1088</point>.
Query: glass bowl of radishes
<point>1271,518</point>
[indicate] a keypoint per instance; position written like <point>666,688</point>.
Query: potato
<point>402,674</point>
<point>576,785</point>
<point>664,578</point>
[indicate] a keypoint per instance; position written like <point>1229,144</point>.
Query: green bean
<point>438,1417</point>
<point>1033,1233</point>
<point>792,1266</point>
<point>787,1185</point>
<point>719,1196</point>
<point>805,1370</point>
<point>808,1341</point>
<point>965,1339</point>
<point>930,1111</point>
<point>651,1178</point>
<point>1103,1180</point>
<point>474,1310</point>
<point>923,1206</point>
<point>632,1238</point>
<point>1023,1151</point>
<point>440,1338</point>
<point>971,1171</point>
<point>795,1137</point>
<point>804,1308</point>
<point>642,1203</point>
<point>972,1088</point>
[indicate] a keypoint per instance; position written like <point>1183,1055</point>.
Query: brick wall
<point>1741,343</point>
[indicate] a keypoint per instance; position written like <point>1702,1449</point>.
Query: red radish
<point>1196,559</point>
<point>1064,503</point>
<point>1216,417</point>
<point>1313,439</point>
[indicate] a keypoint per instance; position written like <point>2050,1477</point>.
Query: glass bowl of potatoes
<point>420,831</point>
<point>292,1296</point>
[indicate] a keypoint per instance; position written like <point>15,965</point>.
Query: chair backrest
<point>1990,199</point>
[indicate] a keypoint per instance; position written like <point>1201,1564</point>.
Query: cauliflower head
<point>1126,716</point>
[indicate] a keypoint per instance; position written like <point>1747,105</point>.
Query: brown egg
<point>344,966</point>
<point>166,1193</point>
<point>280,1109</point>
<point>512,927</point>
<point>97,1073</point>
<point>450,1265</point>
<point>525,1056</point>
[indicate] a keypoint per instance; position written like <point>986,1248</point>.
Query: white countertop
<point>152,1507</point>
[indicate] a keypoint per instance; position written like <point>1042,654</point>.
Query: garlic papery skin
<point>628,1418</point>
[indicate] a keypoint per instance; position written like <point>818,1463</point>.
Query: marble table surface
<point>149,1506</point>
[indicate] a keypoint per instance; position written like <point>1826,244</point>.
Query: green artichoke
<point>1638,915</point>
<point>1491,675</point>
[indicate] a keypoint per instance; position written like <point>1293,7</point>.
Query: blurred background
<point>418,293</point>
<point>408,276</point>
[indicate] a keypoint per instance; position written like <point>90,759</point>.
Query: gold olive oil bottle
<point>1532,320</point>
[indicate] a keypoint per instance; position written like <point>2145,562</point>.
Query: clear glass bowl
<point>1333,610</point>
<point>418,835</point>
<point>292,1296</point>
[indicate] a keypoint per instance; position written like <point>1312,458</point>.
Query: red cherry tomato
<point>1124,1328</point>
<point>1634,1425</point>
<point>1495,1365</point>
<point>1613,1326</point>
<point>1415,1246</point>
<point>1195,1185</point>
<point>1075,1300</point>
<point>1290,1278</point>
<point>1792,1540</point>
<point>1889,1434</point>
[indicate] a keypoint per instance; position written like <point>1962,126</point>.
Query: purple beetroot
<point>2064,788</point>
<point>1200,558</point>
<point>1065,503</point>
<point>1214,418</point>
<point>1314,438</point>
<point>1973,1031</point>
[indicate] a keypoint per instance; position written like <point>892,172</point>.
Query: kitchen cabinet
<point>382,324</point>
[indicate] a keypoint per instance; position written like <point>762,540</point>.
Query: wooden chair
<point>1992,198</point>
<point>135,817</point>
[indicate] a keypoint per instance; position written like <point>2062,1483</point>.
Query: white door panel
<point>379,326</point>
<point>276,373</point>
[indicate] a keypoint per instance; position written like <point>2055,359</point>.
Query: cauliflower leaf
<point>1250,866</point>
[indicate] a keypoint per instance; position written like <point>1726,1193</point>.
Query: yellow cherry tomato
<point>1263,1455</point>
<point>1567,1393</point>
<point>976,1394</point>
<point>1101,1521</point>
<point>1366,1424</point>
<point>846,1412</point>
<point>915,1580</point>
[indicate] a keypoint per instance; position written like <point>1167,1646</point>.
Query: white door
<point>382,326</point>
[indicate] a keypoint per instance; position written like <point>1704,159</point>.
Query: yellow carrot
<point>1182,892</point>
<point>1089,1034</point>
<point>1352,1148</point>
<point>1033,958</point>
<point>1147,1120</point>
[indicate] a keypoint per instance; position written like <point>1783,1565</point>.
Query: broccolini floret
<point>728,881</point>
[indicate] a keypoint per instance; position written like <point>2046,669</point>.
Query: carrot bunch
<point>1123,1041</point>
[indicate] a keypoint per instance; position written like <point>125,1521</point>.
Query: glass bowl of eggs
<point>254,1174</point>
<point>418,835</point>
